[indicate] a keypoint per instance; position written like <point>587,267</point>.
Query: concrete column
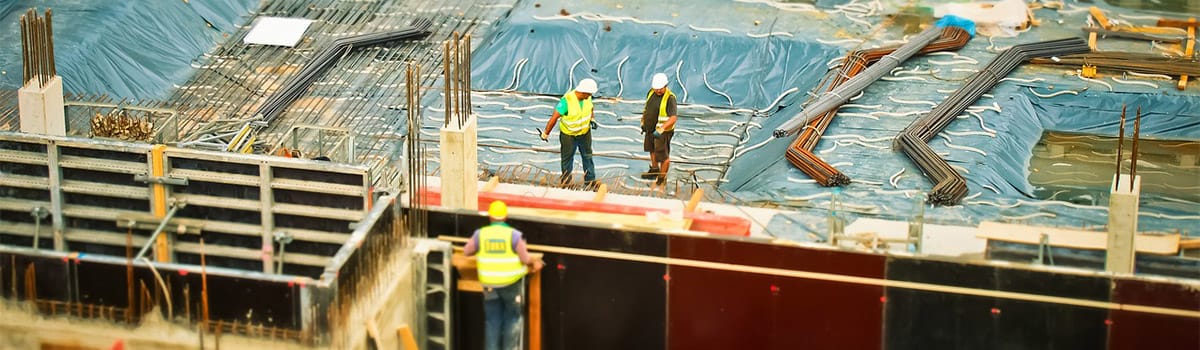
<point>42,108</point>
<point>1122,223</point>
<point>460,166</point>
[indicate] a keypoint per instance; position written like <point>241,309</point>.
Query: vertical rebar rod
<point>1120,148</point>
<point>1137,126</point>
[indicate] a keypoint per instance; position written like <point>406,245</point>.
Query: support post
<point>266,200</point>
<point>42,109</point>
<point>1122,223</point>
<point>459,152</point>
<point>158,201</point>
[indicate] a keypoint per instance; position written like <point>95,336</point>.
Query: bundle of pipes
<point>37,49</point>
<point>1129,61</point>
<point>298,84</point>
<point>950,186</point>
<point>800,152</point>
<point>836,97</point>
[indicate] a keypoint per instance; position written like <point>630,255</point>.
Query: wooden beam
<point>1178,23</point>
<point>1188,52</point>
<point>694,202</point>
<point>649,222</point>
<point>1189,243</point>
<point>600,193</point>
<point>373,333</point>
<point>1101,19</point>
<point>535,309</point>
<point>1163,244</point>
<point>404,333</point>
<point>491,184</point>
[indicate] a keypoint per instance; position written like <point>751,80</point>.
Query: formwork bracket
<point>166,180</point>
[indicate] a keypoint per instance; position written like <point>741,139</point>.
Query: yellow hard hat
<point>498,210</point>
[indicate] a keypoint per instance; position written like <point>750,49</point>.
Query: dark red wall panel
<point>720,309</point>
<point>1138,330</point>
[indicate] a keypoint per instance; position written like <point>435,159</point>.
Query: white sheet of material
<point>277,31</point>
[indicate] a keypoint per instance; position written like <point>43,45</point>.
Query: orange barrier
<point>705,222</point>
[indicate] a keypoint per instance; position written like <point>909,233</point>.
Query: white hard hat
<point>587,86</point>
<point>659,81</point>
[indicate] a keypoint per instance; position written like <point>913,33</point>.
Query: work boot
<point>652,173</point>
<point>662,179</point>
<point>593,186</point>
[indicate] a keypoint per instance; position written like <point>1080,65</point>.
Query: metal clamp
<point>174,181</point>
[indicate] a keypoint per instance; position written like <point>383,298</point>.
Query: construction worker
<point>658,124</point>
<point>501,261</point>
<point>575,110</point>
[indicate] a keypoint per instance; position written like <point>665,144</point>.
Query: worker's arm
<point>558,112</point>
<point>523,253</point>
<point>472,245</point>
<point>550,125</point>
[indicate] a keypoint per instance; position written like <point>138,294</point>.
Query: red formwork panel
<point>705,222</point>
<point>724,309</point>
<point>1139,330</point>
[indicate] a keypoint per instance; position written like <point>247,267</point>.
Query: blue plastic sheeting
<point>755,53</point>
<point>126,49</point>
<point>701,65</point>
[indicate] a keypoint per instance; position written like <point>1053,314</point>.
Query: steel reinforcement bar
<point>799,153</point>
<point>295,86</point>
<point>950,186</point>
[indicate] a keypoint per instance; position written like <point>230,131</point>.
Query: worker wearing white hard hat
<point>574,132</point>
<point>502,260</point>
<point>658,124</point>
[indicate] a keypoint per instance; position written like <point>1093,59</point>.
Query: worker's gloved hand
<point>537,265</point>
<point>657,132</point>
<point>545,136</point>
<point>593,125</point>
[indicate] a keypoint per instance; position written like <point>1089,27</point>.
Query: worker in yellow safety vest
<point>502,261</point>
<point>658,124</point>
<point>574,132</point>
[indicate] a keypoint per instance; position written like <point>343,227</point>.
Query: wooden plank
<point>1059,237</point>
<point>535,309</point>
<point>1189,243</point>
<point>373,333</point>
<point>600,193</point>
<point>404,333</point>
<point>491,184</point>
<point>1191,49</point>
<point>866,281</point>
<point>1101,19</point>
<point>640,222</point>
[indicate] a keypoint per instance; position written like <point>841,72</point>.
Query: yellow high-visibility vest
<point>662,109</point>
<point>578,118</point>
<point>498,264</point>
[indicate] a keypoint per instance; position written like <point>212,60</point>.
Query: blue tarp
<point>127,49</point>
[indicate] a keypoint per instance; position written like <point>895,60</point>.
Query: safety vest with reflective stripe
<point>578,117</point>
<point>662,108</point>
<point>498,264</point>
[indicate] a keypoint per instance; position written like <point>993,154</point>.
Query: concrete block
<point>460,165</point>
<point>1122,223</point>
<point>42,110</point>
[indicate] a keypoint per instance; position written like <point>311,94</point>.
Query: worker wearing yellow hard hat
<point>501,260</point>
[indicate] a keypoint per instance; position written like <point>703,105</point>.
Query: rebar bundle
<point>119,124</point>
<point>837,96</point>
<point>950,186</point>
<point>1129,61</point>
<point>800,154</point>
<point>298,84</point>
<point>37,49</point>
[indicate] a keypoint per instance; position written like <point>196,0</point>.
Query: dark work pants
<point>502,310</point>
<point>584,144</point>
